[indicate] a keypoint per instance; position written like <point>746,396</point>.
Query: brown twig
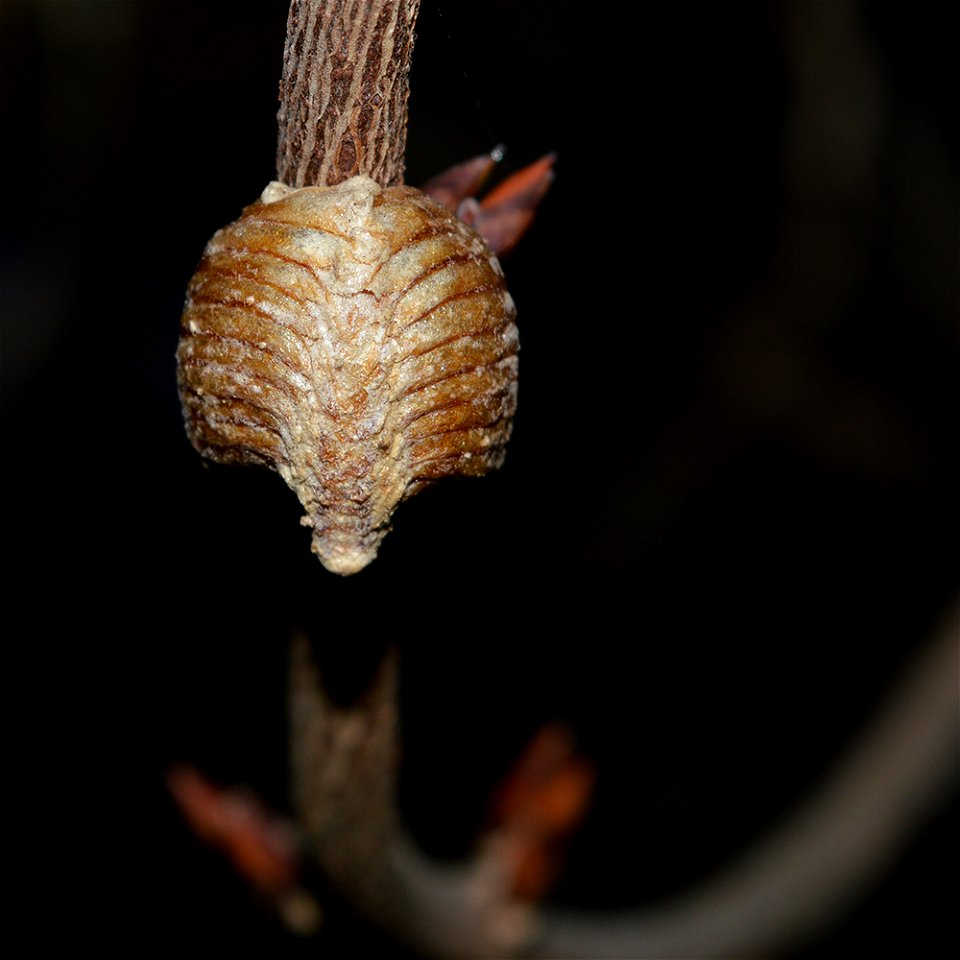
<point>344,90</point>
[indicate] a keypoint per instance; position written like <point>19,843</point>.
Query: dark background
<point>728,511</point>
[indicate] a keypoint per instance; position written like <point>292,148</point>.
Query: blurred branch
<point>804,874</point>
<point>344,788</point>
<point>770,370</point>
<point>783,891</point>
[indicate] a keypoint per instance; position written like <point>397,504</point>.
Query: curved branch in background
<point>344,91</point>
<point>802,876</point>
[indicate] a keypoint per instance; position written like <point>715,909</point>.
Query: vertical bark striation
<point>344,90</point>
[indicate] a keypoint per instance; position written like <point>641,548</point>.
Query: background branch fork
<point>343,763</point>
<point>789,885</point>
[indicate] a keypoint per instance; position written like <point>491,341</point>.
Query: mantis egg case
<point>358,340</point>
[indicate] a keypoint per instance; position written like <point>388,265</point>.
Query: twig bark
<point>344,90</point>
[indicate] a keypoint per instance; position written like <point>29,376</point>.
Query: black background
<point>727,512</point>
